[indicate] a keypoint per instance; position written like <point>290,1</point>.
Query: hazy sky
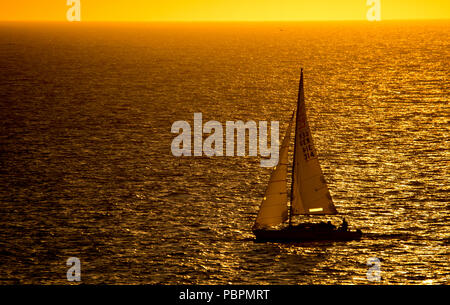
<point>202,10</point>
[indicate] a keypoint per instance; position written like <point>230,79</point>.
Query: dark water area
<point>86,168</point>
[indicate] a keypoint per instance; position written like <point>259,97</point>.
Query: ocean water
<point>87,171</point>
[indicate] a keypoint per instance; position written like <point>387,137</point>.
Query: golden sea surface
<point>87,171</point>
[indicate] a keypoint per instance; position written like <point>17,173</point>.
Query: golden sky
<point>222,10</point>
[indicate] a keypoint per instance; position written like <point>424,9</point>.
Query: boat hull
<point>305,235</point>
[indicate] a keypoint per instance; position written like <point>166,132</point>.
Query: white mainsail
<point>273,209</point>
<point>309,191</point>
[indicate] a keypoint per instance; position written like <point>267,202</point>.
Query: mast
<point>300,92</point>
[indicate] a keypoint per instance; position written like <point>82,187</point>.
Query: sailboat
<point>309,191</point>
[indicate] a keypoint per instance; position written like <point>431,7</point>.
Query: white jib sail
<point>273,209</point>
<point>310,190</point>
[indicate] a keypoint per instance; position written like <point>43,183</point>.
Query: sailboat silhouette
<point>309,190</point>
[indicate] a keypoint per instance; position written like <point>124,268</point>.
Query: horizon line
<point>219,21</point>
